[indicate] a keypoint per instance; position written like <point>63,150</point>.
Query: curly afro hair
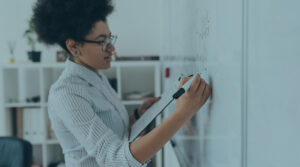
<point>55,21</point>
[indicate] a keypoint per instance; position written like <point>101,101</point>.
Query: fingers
<point>206,93</point>
<point>201,87</point>
<point>195,84</point>
<point>184,80</point>
<point>203,91</point>
<point>151,101</point>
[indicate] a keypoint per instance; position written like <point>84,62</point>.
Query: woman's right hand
<point>194,98</point>
<point>186,106</point>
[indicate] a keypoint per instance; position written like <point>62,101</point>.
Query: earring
<point>76,52</point>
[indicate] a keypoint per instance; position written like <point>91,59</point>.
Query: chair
<point>15,152</point>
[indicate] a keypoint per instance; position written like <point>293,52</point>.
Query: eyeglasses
<point>110,40</point>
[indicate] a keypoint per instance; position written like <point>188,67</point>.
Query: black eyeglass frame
<point>110,40</point>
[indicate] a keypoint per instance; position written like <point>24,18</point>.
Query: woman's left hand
<point>147,103</point>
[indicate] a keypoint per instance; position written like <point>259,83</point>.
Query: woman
<point>89,120</point>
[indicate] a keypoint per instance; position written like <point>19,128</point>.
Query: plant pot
<point>34,56</point>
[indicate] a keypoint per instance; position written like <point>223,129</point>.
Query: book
<point>33,125</point>
<point>26,124</point>
<point>19,122</point>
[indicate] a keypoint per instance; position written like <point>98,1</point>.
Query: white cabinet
<point>25,88</point>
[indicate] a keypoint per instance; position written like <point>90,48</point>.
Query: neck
<point>77,60</point>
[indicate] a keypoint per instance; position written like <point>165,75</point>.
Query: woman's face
<point>92,54</point>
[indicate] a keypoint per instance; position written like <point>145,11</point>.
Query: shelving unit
<point>22,81</point>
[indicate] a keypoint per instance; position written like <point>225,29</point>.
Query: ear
<point>71,45</point>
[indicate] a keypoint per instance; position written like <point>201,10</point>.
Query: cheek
<point>96,57</point>
<point>96,52</point>
<point>91,53</point>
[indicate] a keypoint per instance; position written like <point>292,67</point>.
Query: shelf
<point>23,80</point>
<point>37,142</point>
<point>54,65</point>
<point>21,65</point>
<point>47,142</point>
<point>62,64</point>
<point>21,105</point>
<point>136,63</point>
<point>33,65</point>
<point>52,141</point>
<point>132,102</point>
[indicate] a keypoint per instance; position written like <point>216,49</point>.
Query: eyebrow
<point>103,36</point>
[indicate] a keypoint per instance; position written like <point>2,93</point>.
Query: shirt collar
<point>83,72</point>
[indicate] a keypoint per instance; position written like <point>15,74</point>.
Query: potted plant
<point>31,37</point>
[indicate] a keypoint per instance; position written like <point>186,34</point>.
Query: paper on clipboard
<point>151,114</point>
<point>157,108</point>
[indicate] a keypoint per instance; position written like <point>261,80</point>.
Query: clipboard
<point>158,107</point>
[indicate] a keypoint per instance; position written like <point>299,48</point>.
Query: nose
<point>110,48</point>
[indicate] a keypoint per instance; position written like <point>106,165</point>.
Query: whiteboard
<point>249,52</point>
<point>198,38</point>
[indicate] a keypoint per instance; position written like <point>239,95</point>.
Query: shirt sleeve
<point>98,140</point>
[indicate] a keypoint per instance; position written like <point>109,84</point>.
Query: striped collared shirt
<point>89,120</point>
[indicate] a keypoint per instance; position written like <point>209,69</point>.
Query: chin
<point>108,66</point>
<point>104,66</point>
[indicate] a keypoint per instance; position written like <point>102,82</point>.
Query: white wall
<point>14,16</point>
<point>138,26</point>
<point>2,113</point>
<point>274,79</point>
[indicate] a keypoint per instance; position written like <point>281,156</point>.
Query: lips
<point>111,56</point>
<point>108,58</point>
